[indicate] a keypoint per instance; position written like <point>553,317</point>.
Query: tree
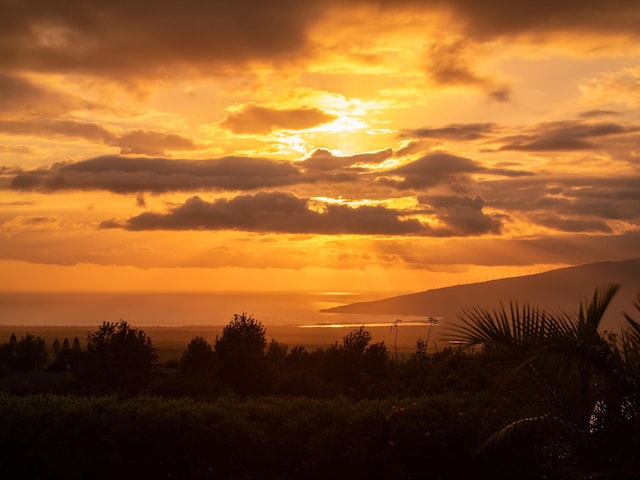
<point>119,356</point>
<point>198,357</point>
<point>566,386</point>
<point>56,347</point>
<point>277,354</point>
<point>355,364</point>
<point>240,354</point>
<point>66,358</point>
<point>28,353</point>
<point>31,352</point>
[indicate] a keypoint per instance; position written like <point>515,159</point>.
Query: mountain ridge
<point>558,290</point>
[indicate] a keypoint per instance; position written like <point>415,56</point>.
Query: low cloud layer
<point>279,212</point>
<point>275,212</point>
<point>325,161</point>
<point>565,136</point>
<point>458,132</point>
<point>133,175</point>
<point>439,169</point>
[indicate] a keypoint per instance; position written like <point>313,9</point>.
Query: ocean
<point>184,309</point>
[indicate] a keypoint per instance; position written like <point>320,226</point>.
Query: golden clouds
<point>256,119</point>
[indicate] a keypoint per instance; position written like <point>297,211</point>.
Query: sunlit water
<point>181,309</point>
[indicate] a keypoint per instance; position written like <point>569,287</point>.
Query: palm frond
<point>632,323</point>
<point>591,315</point>
<point>518,328</point>
<point>548,425</point>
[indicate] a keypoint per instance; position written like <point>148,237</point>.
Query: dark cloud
<point>500,94</point>
<point>140,200</point>
<point>456,131</point>
<point>449,64</point>
<point>439,169</point>
<point>122,38</point>
<point>132,142</point>
<point>132,175</point>
<point>563,136</point>
<point>462,215</point>
<point>275,212</point>
<point>504,18</point>
<point>452,64</point>
<point>413,147</point>
<point>151,143</point>
<point>256,119</point>
<point>22,98</point>
<point>567,248</point>
<point>18,203</point>
<point>572,225</point>
<point>568,203</point>
<point>438,164</point>
<point>430,171</point>
<point>598,113</point>
<point>324,160</point>
<point>451,201</point>
<point>29,109</point>
<point>58,128</point>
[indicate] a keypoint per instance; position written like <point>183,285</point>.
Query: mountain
<point>559,290</point>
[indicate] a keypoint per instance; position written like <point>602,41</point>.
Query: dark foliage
<point>568,391</point>
<point>118,356</point>
<point>198,358</point>
<point>22,355</point>
<point>266,438</point>
<point>240,355</point>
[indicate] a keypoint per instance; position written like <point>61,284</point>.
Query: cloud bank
<point>132,175</point>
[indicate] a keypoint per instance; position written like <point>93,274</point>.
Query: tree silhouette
<point>199,357</point>
<point>56,347</point>
<point>240,354</point>
<point>119,356</point>
<point>355,364</point>
<point>565,386</point>
<point>28,353</point>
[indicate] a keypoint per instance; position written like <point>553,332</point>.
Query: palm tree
<point>561,381</point>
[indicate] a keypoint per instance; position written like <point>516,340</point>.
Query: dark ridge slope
<point>557,290</point>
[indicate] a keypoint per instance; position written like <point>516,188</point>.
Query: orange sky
<point>317,145</point>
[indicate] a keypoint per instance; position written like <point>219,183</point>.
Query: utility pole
<point>432,321</point>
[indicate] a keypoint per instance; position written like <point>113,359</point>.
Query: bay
<point>182,309</point>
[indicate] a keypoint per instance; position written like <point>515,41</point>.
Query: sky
<point>317,145</point>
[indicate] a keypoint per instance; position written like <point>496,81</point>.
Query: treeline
<point>118,358</point>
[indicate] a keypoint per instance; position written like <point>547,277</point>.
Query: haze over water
<point>181,309</point>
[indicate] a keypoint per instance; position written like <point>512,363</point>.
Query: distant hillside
<point>556,290</point>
